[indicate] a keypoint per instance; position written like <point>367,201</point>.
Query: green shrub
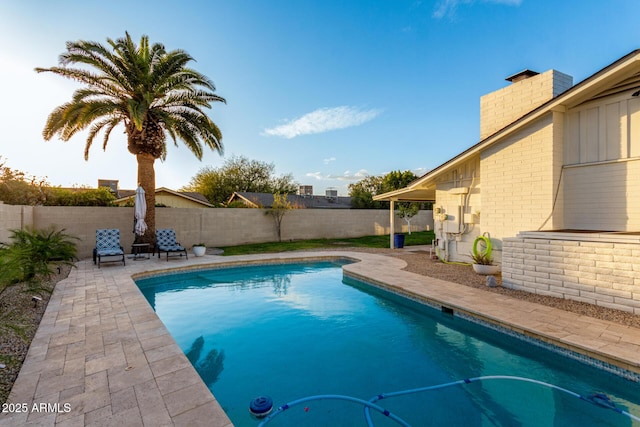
<point>32,254</point>
<point>57,196</point>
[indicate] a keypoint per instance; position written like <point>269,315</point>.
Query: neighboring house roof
<point>623,74</point>
<point>126,195</point>
<point>310,202</point>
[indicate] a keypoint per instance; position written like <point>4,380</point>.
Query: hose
<point>598,399</point>
<point>449,262</point>
<point>367,405</point>
<point>488,247</point>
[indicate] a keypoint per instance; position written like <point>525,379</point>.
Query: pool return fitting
<point>598,399</point>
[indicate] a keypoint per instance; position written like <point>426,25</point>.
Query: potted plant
<point>483,264</point>
<point>199,249</point>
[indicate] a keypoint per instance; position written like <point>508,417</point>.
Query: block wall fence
<point>215,227</point>
<point>596,272</point>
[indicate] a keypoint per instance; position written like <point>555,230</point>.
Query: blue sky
<point>328,90</point>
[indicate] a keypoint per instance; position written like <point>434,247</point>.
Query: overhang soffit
<point>627,80</point>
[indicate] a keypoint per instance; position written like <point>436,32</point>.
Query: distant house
<point>265,200</point>
<point>167,197</point>
<point>554,183</point>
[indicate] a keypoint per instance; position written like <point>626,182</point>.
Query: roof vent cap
<point>522,75</point>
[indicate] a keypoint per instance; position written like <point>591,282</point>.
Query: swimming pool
<point>296,330</point>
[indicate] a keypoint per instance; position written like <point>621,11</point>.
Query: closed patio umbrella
<point>140,212</point>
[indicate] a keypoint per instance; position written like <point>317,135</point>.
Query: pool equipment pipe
<point>363,402</point>
<point>598,399</point>
<point>444,261</point>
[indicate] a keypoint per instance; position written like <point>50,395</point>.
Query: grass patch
<point>415,238</point>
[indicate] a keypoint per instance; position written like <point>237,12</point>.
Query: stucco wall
<point>175,201</point>
<point>603,273</point>
<point>215,227</point>
<point>168,199</point>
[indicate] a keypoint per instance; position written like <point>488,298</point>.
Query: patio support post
<point>392,225</point>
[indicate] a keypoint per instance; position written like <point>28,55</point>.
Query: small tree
<point>407,211</point>
<point>241,174</point>
<point>279,209</point>
<point>362,192</point>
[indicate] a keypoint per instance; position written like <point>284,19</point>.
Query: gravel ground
<point>419,262</point>
<point>13,348</point>
<point>17,308</point>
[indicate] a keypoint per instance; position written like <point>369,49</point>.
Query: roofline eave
<point>568,99</point>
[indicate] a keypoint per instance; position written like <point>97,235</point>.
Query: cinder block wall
<point>215,227</point>
<point>466,175</point>
<point>600,273</point>
<point>13,217</point>
<point>82,222</point>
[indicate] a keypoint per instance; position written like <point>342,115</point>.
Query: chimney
<point>112,184</point>
<point>528,91</point>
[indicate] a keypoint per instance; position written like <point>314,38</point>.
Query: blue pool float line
<point>598,399</point>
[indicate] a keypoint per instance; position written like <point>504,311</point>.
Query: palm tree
<point>150,91</point>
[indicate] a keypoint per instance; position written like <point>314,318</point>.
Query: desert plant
<point>482,258</point>
<point>33,253</point>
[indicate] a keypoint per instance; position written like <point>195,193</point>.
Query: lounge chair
<point>108,245</point>
<point>166,242</point>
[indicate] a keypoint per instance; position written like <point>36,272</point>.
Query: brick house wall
<point>603,273</point>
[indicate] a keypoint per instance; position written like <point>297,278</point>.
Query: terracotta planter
<point>199,250</point>
<point>486,269</point>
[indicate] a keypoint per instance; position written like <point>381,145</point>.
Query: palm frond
<point>107,125</point>
<point>135,84</point>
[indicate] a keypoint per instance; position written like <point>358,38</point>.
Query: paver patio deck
<point>101,356</point>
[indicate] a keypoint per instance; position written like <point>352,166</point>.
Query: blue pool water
<point>295,330</point>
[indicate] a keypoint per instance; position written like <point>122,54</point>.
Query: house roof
<point>310,202</point>
<point>190,195</point>
<point>620,76</point>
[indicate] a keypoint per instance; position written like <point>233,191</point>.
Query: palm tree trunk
<point>147,179</point>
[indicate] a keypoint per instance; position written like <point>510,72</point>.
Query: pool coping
<point>102,350</point>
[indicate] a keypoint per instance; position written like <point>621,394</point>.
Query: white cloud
<point>323,120</point>
<point>346,176</point>
<point>420,171</point>
<point>329,160</point>
<point>449,7</point>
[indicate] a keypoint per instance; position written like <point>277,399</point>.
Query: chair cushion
<point>166,240</point>
<point>171,248</point>
<point>109,252</point>
<point>108,239</point>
